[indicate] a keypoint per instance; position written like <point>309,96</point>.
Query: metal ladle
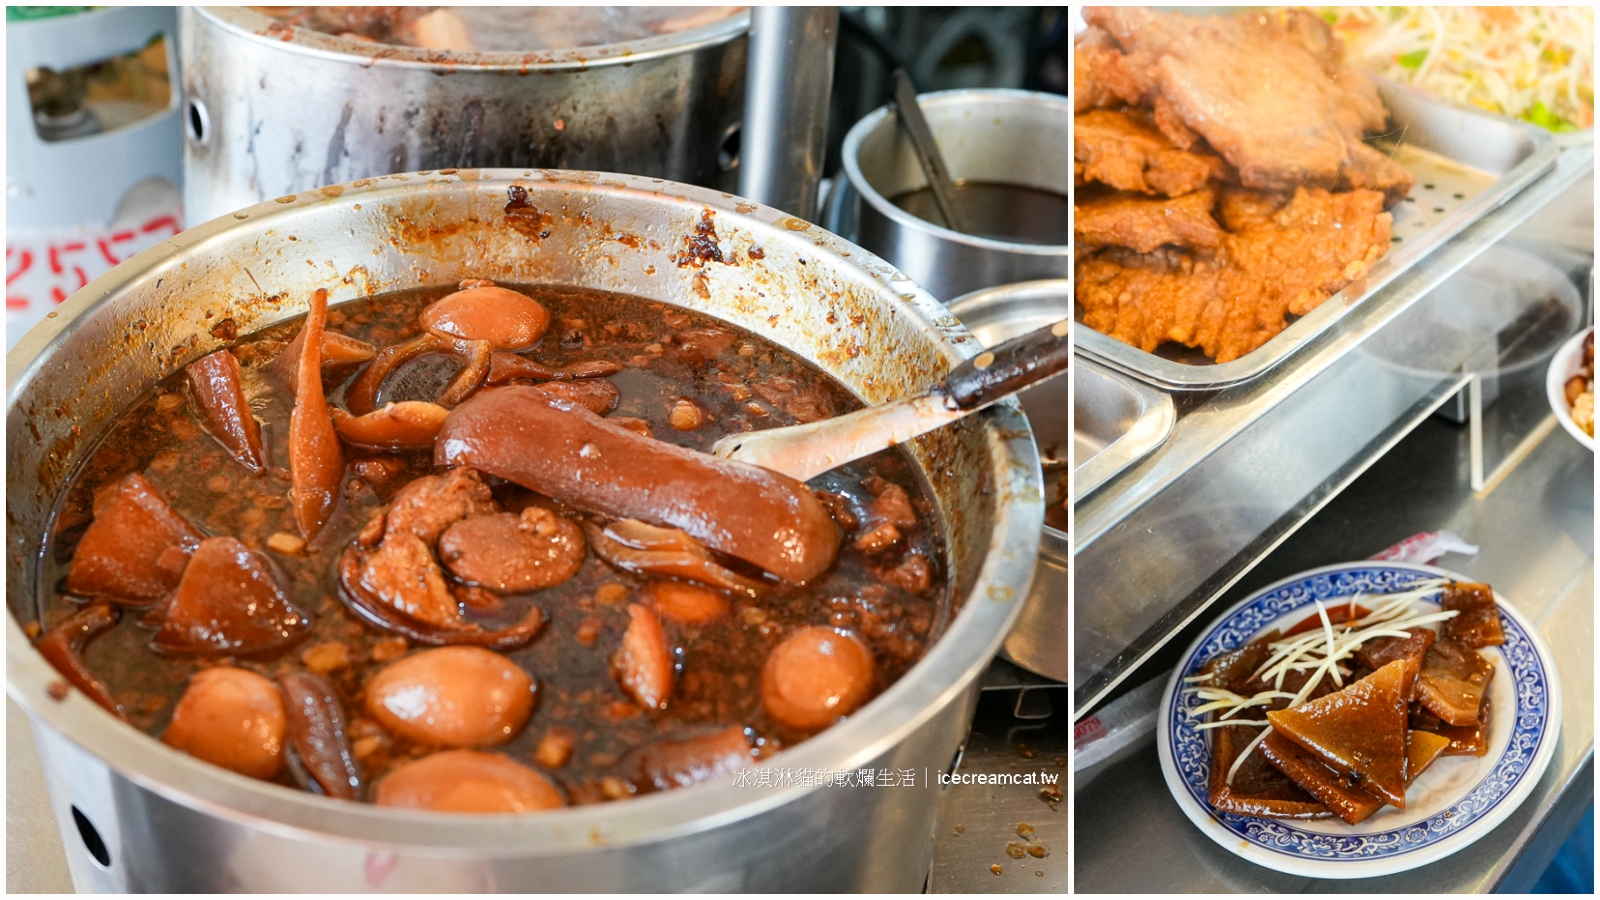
<point>927,151</point>
<point>805,451</point>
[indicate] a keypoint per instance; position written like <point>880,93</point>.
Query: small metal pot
<point>166,822</point>
<point>1039,641</point>
<point>270,110</point>
<point>1004,136</point>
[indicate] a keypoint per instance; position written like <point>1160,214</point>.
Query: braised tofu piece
<point>1258,789</point>
<point>1359,731</point>
<point>135,549</point>
<point>1477,623</point>
<point>1454,681</point>
<point>231,601</point>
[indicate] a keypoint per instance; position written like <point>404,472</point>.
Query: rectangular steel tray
<point>1467,162</point>
<point>1115,422</point>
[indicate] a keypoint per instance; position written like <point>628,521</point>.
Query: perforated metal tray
<point>1467,162</point>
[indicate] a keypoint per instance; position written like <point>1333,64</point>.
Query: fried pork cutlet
<point>1239,208</point>
<point>1119,149</point>
<point>1139,29</point>
<point>1100,76</point>
<point>1145,223</point>
<point>1235,298</point>
<point>1273,97</point>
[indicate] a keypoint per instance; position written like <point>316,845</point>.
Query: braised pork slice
<point>1143,224</point>
<point>432,503</point>
<point>1477,620</point>
<point>1379,652</point>
<point>403,575</point>
<point>1454,681</point>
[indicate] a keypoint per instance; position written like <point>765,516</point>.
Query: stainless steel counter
<point>35,862</point>
<point>1536,530</point>
<point>1021,727</point>
<point>1246,466</point>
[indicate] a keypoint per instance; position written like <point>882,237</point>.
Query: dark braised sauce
<point>1003,212</point>
<point>738,382</point>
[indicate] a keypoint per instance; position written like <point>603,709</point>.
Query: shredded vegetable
<point>1318,651</point>
<point>1531,62</point>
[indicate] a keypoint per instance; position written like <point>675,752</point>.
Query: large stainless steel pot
<point>271,110</point>
<point>168,822</point>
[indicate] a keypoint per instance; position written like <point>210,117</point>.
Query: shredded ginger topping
<point>1534,63</point>
<point>1318,651</point>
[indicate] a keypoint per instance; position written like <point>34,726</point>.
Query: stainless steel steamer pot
<point>270,110</point>
<point>170,823</point>
<point>1000,136</point>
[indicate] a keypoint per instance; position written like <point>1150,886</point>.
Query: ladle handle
<point>1016,364</point>
<point>927,151</point>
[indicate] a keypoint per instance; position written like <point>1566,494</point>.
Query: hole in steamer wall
<point>198,122</point>
<point>91,838</point>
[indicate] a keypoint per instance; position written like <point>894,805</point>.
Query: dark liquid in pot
<point>740,380</point>
<point>1004,212</point>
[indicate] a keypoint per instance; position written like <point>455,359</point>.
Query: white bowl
<point>1567,362</point>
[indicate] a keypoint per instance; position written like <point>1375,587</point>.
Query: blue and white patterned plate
<point>1458,800</point>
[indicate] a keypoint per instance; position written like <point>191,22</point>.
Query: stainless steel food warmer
<point>1217,510</point>
<point>1246,465</point>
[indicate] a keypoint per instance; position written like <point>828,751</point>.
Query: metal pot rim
<point>851,151</point>
<point>251,25</point>
<point>954,661</point>
<point>1044,287</point>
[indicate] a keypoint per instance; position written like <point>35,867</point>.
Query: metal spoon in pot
<point>805,451</point>
<point>927,151</point>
